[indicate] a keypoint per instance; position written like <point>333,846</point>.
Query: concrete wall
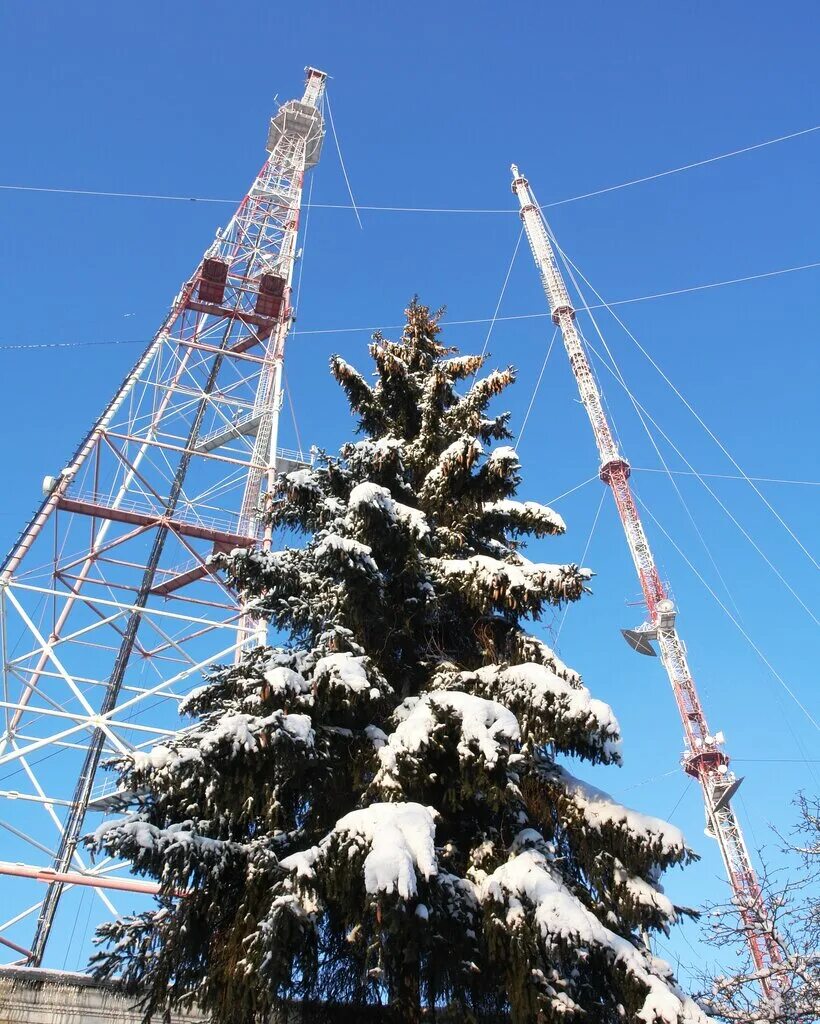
<point>57,997</point>
<point>29,996</point>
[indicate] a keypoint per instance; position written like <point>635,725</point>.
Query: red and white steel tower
<point>108,608</point>
<point>704,758</point>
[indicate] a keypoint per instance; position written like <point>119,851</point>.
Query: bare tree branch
<point>793,905</point>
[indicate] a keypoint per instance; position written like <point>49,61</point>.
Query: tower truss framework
<point>109,609</point>
<point>704,757</point>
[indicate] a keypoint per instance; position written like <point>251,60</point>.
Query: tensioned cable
<point>295,330</point>
<point>535,390</point>
<point>341,158</point>
<point>503,290</point>
<point>422,209</point>
<point>702,422</point>
<point>654,778</point>
<point>686,167</point>
<point>727,476</point>
<point>641,416</point>
<point>677,548</point>
<point>299,447</point>
<point>304,247</point>
<point>570,267</point>
<point>733,519</point>
<point>686,786</point>
<point>777,760</point>
<point>572,490</point>
<point>449,323</point>
<point>582,560</point>
<point>743,632</point>
<point>744,760</point>
<point>601,305</point>
<point>797,741</point>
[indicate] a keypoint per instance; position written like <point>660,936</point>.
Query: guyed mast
<point>704,757</point>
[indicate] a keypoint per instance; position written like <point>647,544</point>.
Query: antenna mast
<point>703,757</point>
<point>109,605</point>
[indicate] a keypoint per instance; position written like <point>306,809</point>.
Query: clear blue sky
<point>432,103</point>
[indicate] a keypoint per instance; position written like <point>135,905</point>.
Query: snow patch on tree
<point>526,516</point>
<point>528,885</point>
<point>371,495</point>
<point>303,479</point>
<point>486,728</point>
<point>600,811</point>
<point>352,552</point>
<point>491,581</point>
<point>644,893</point>
<point>283,680</point>
<point>535,691</point>
<point>400,838</point>
<point>347,672</point>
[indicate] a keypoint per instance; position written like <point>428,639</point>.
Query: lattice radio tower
<point>109,611</point>
<point>704,757</point>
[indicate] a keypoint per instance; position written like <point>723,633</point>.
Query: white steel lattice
<point>109,611</point>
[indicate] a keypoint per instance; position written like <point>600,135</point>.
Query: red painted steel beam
<point>76,878</point>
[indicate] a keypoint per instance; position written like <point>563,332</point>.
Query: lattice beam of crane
<point>704,758</point>
<point>109,609</point>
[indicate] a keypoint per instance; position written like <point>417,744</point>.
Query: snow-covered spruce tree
<point>376,812</point>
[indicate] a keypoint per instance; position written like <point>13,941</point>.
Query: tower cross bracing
<point>109,608</point>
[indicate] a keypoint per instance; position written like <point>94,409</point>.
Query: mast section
<point>703,757</point>
<point>237,299</point>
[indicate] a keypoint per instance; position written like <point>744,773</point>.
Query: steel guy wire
<point>22,346</point>
<point>582,559</point>
<point>730,515</point>
<point>740,628</point>
<point>341,159</point>
<point>503,290</point>
<point>570,267</point>
<point>703,424</point>
<point>421,209</point>
<point>535,391</point>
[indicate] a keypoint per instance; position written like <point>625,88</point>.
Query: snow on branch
<point>378,453</point>
<point>178,855</point>
<point>489,582</point>
<point>345,671</point>
<point>454,463</point>
<point>644,895</point>
<point>595,810</point>
<point>399,839</point>
<point>525,517</point>
<point>527,891</point>
<point>231,735</point>
<point>549,708</point>
<point>487,730</point>
<point>349,552</point>
<point>485,389</point>
<point>305,480</point>
<point>530,648</point>
<point>369,496</point>
<point>461,367</point>
<point>285,682</point>
<point>362,398</point>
